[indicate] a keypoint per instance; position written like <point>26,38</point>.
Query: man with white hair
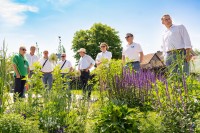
<point>21,70</point>
<point>32,58</point>
<point>85,64</point>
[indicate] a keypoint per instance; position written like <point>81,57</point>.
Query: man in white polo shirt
<point>85,64</point>
<point>32,58</point>
<point>132,54</point>
<point>47,69</point>
<point>176,43</point>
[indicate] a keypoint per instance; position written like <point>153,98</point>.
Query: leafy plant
<point>117,119</point>
<point>14,123</point>
<point>152,123</point>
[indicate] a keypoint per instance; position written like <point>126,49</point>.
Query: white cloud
<point>13,13</point>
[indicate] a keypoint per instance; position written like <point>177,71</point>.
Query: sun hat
<point>82,50</point>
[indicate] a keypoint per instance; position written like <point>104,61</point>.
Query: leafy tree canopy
<point>91,39</point>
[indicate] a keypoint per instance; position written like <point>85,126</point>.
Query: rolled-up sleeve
<point>91,60</point>
<point>186,37</point>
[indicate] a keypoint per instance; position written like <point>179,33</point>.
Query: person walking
<point>104,54</point>
<point>21,70</point>
<point>32,58</point>
<point>47,69</point>
<point>176,43</point>
<point>84,65</point>
<point>132,54</point>
<point>65,67</point>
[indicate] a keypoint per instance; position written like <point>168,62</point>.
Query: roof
<point>147,58</point>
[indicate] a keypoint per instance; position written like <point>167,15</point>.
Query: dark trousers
<point>19,87</point>
<point>84,82</point>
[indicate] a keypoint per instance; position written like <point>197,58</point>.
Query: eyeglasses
<point>45,53</point>
<point>103,46</point>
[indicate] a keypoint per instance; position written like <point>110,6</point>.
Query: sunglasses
<point>127,37</point>
<point>63,56</point>
<point>45,53</point>
<point>23,49</point>
<point>103,46</point>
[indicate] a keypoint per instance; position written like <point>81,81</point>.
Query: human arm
<point>92,63</point>
<point>16,71</point>
<point>187,42</point>
<point>141,56</point>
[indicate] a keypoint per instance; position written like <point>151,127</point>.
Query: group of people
<point>176,41</point>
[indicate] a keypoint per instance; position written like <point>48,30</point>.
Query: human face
<point>81,54</point>
<point>103,48</point>
<point>167,21</point>
<point>22,51</point>
<point>45,53</point>
<point>63,56</point>
<point>129,39</point>
<point>32,50</point>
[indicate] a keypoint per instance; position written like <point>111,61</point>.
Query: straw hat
<point>82,50</point>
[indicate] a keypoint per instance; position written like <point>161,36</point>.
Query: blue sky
<point>24,22</point>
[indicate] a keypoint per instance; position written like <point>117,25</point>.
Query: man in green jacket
<point>21,69</point>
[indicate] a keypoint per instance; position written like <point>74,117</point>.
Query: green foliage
<point>14,123</point>
<point>6,81</point>
<point>178,101</point>
<point>55,105</point>
<point>152,123</point>
<point>197,122</point>
<point>117,119</point>
<point>91,39</point>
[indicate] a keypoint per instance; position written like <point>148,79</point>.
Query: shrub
<point>152,123</point>
<point>117,119</point>
<point>14,123</point>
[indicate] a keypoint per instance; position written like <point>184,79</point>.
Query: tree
<point>91,39</point>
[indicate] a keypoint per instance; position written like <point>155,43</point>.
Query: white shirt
<point>176,37</point>
<point>66,67</point>
<point>106,55</point>
<point>132,52</point>
<point>31,60</point>
<point>48,67</point>
<point>85,62</point>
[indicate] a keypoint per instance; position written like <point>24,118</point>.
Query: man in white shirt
<point>176,41</point>
<point>32,58</point>
<point>65,67</point>
<point>85,64</point>
<point>104,54</point>
<point>132,54</point>
<point>47,69</point>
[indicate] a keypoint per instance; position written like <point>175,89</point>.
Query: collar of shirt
<point>104,52</point>
<point>170,28</point>
<point>129,45</point>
